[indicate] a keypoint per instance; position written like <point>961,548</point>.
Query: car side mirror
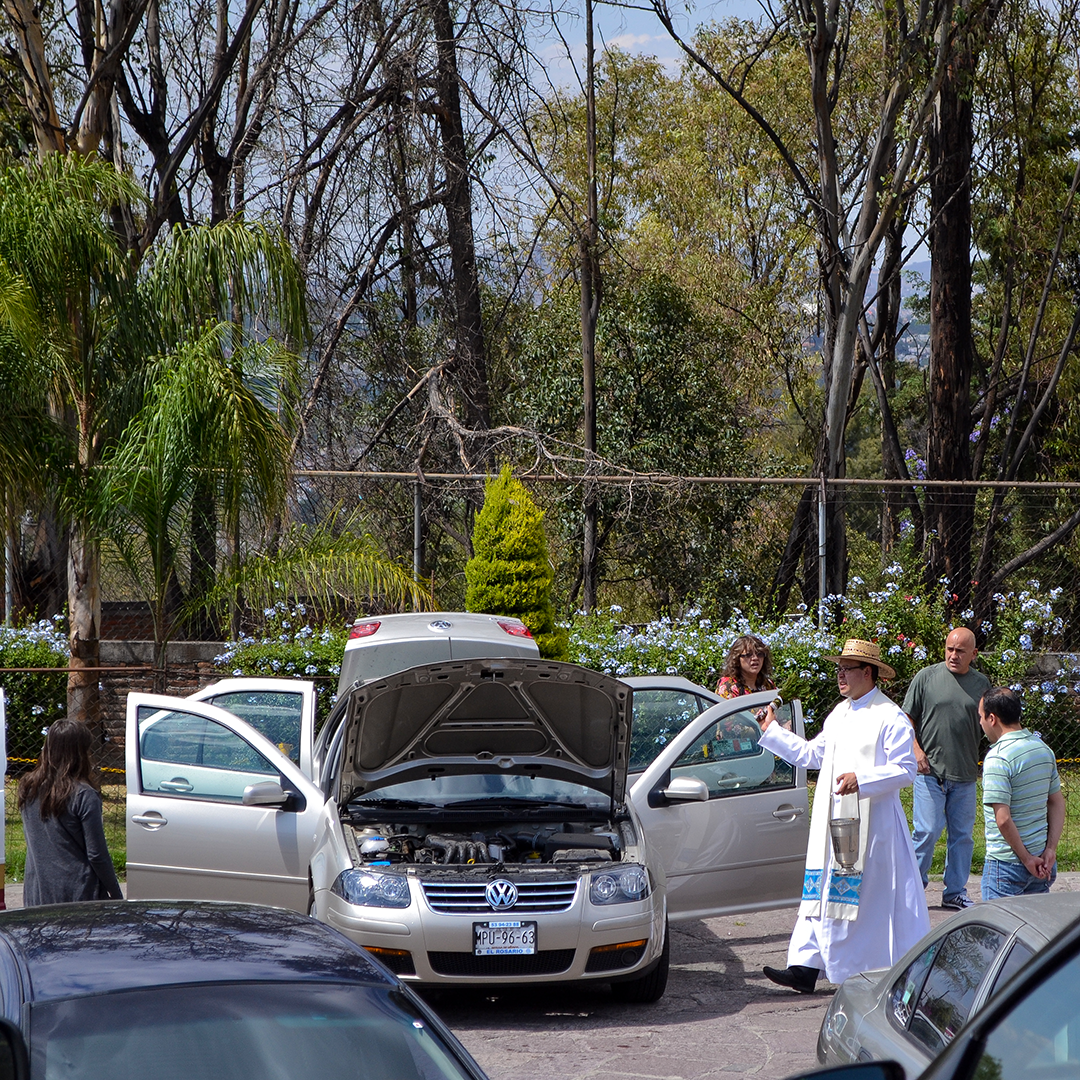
<point>686,789</point>
<point>860,1070</point>
<point>265,793</point>
<point>14,1060</point>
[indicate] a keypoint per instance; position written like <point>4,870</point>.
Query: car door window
<point>659,715</point>
<point>730,760</point>
<point>905,991</point>
<point>1018,956</point>
<point>190,756</point>
<point>959,966</point>
<point>273,713</point>
<point>1039,1038</point>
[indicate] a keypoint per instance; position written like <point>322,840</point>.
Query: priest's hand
<point>846,783</point>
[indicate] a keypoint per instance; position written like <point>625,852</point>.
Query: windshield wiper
<point>390,804</point>
<point>497,802</point>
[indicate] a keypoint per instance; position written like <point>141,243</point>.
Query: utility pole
<point>591,289</point>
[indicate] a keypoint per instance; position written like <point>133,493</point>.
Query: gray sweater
<point>66,856</point>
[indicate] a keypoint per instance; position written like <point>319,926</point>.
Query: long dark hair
<point>64,765</point>
<point>743,644</point>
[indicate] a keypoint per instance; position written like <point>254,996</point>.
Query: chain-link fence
<point>898,563</point>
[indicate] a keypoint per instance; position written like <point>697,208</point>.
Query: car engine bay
<point>525,843</point>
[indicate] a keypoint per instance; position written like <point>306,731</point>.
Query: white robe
<point>892,905</point>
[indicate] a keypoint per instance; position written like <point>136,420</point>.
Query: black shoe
<point>802,979</point>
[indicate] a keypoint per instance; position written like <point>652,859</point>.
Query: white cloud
<point>631,42</point>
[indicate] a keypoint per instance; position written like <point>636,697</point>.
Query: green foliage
<point>32,699</point>
<point>289,647</point>
<point>909,628</point>
<point>665,406</point>
<point>335,564</point>
<point>510,572</point>
<point>696,647</point>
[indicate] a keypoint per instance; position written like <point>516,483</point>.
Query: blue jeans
<point>1012,879</point>
<point>950,805</point>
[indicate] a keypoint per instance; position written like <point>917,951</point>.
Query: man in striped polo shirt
<point>1022,802</point>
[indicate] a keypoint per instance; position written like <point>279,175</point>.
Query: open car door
<point>215,810</point>
<point>728,819</point>
<point>281,709</point>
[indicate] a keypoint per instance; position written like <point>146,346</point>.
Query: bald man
<point>943,705</point>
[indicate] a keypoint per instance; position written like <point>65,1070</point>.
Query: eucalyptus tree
<point>855,174</point>
<point>1026,304</point>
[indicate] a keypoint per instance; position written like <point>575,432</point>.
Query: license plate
<point>504,938</point>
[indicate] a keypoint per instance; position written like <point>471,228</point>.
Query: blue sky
<point>636,29</point>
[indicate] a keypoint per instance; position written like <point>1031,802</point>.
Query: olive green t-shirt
<point>945,711</point>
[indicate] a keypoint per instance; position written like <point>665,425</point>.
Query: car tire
<point>651,986</point>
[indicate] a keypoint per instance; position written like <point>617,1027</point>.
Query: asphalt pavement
<point>720,1015</point>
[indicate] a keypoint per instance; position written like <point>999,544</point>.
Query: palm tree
<point>202,433</point>
<point>141,396</point>
<point>81,367</point>
<point>63,360</point>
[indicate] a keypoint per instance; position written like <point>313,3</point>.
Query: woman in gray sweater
<point>66,854</point>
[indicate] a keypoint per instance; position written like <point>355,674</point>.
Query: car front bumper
<point>584,942</point>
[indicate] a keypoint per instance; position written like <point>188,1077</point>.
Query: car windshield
<point>275,1031</point>
<point>489,789</point>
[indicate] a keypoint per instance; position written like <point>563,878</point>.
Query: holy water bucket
<point>845,842</point>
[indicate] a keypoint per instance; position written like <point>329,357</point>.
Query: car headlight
<point>619,886</point>
<point>369,889</point>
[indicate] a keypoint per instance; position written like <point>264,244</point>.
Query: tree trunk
<point>25,21</point>
<point>84,630</point>
<point>951,511</point>
<point>469,363</point>
<point>202,626</point>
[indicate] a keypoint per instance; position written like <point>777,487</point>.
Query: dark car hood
<point>523,716</point>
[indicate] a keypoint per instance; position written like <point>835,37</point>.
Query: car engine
<point>524,843</point>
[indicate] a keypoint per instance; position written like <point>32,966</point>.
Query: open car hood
<point>524,716</point>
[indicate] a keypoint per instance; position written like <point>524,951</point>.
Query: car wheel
<point>650,987</point>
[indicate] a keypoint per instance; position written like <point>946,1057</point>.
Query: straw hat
<point>866,652</point>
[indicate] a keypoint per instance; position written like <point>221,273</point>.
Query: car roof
<point>98,947</point>
<point>666,682</point>
<point>1047,913</point>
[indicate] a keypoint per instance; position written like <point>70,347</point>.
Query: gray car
<point>910,1012</point>
<point>469,822</point>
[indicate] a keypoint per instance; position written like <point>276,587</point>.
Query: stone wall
<point>189,666</point>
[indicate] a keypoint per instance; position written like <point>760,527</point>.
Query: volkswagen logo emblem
<point>501,894</point>
<point>440,624</point>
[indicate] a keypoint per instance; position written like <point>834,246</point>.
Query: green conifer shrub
<point>510,573</point>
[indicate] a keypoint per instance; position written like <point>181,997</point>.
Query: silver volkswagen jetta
<point>468,821</point>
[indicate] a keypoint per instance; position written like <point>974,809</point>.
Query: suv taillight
<point>363,629</point>
<point>515,629</point>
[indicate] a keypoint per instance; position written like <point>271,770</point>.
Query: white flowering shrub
<point>290,647</point>
<point>696,647</point>
<point>34,699</point>
<point>908,625</point>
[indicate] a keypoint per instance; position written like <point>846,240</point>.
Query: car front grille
<point>550,962</point>
<point>467,897</point>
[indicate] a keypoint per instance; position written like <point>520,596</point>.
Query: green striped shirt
<point>1019,770</point>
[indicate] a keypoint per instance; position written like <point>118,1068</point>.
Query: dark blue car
<point>210,990</point>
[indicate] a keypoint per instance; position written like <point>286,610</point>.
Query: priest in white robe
<point>867,912</point>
